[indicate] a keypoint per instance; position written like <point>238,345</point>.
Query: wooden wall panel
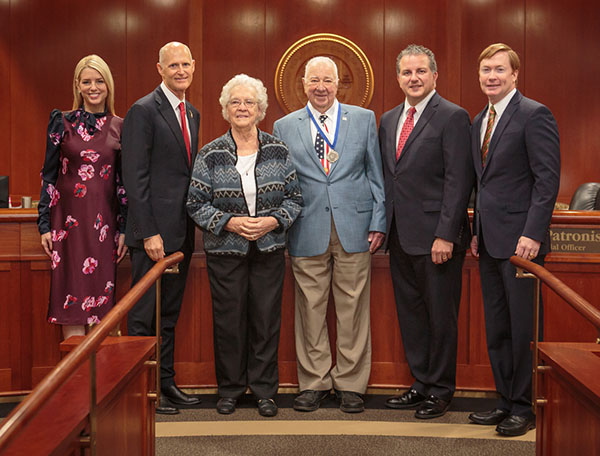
<point>287,22</point>
<point>42,65</point>
<point>427,24</point>
<point>235,43</point>
<point>555,41</point>
<point>150,24</point>
<point>5,112</point>
<point>484,23</point>
<point>561,70</point>
<point>9,284</point>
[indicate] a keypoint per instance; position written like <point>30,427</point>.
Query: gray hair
<point>321,59</point>
<point>245,81</point>
<point>416,49</point>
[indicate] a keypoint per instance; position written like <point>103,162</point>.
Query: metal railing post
<point>521,274</point>
<point>93,405</point>
<point>158,304</point>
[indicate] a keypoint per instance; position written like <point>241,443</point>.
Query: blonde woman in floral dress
<point>82,209</point>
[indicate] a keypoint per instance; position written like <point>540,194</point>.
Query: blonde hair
<point>95,62</point>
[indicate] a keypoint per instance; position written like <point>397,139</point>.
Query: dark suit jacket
<point>517,188</point>
<point>428,188</point>
<point>156,170</point>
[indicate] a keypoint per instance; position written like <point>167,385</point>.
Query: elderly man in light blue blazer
<point>335,150</point>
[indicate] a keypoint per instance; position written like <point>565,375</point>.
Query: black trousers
<point>427,301</point>
<point>508,308</point>
<point>246,297</point>
<point>141,320</point>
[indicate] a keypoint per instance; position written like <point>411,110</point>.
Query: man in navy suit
<point>428,180</point>
<point>516,153</point>
<point>160,140</point>
<point>335,151</point>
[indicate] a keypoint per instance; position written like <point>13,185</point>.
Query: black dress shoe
<point>309,400</point>
<point>432,408</point>
<point>407,400</point>
<point>226,405</point>
<point>164,407</point>
<point>515,425</point>
<point>267,407</point>
<point>491,417</point>
<point>178,397</point>
<point>350,402</point>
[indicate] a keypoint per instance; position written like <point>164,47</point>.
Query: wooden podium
<point>568,420</point>
<point>125,414</point>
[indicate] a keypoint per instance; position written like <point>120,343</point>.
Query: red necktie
<point>186,137</point>
<point>409,123</point>
<point>488,134</point>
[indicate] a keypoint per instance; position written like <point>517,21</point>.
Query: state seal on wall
<point>355,84</point>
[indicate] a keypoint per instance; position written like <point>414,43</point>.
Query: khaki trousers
<point>348,275</point>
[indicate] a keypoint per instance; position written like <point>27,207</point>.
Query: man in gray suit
<point>516,152</point>
<point>335,151</point>
<point>428,180</point>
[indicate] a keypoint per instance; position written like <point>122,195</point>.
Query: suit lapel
<point>476,145</point>
<point>504,121</point>
<point>167,112</point>
<point>429,111</point>
<point>304,131</point>
<point>193,131</point>
<point>391,127</point>
<point>342,135</point>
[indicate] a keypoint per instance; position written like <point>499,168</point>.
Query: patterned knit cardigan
<point>215,194</point>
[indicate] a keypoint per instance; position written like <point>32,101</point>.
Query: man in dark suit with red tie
<point>428,180</point>
<point>160,140</point>
<point>516,153</point>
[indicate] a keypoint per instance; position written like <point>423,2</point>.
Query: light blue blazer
<point>352,192</point>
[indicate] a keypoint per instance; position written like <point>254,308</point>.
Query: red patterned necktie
<point>488,134</point>
<point>409,123</point>
<point>186,137</point>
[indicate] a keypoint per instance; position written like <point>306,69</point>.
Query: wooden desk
<point>570,421</point>
<point>29,345</point>
<point>125,414</point>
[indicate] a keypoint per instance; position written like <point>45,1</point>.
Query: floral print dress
<point>83,206</point>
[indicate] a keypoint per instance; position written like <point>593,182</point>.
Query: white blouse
<point>245,166</point>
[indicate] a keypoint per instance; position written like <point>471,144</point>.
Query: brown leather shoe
<point>407,400</point>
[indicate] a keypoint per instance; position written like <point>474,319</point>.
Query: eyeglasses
<point>327,82</point>
<point>235,103</point>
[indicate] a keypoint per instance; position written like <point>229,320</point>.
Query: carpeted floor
<point>328,431</point>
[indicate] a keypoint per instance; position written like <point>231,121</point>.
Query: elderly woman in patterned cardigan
<point>245,195</point>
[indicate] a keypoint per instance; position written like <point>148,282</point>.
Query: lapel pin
<point>344,118</point>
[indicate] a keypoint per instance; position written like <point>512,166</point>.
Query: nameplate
<point>574,240</point>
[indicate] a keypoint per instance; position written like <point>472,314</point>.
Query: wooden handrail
<point>27,409</point>
<point>582,306</point>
